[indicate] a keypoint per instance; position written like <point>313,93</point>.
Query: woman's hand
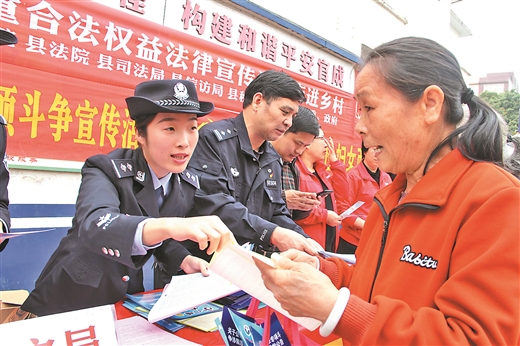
<point>300,288</point>
<point>209,231</point>
<point>332,152</point>
<point>297,256</point>
<point>192,264</point>
<point>333,219</point>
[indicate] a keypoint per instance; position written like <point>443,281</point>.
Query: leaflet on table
<point>352,209</point>
<point>187,291</point>
<point>136,331</point>
<point>234,263</point>
<point>167,323</point>
<point>19,234</point>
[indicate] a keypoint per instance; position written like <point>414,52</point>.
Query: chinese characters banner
<point>63,86</point>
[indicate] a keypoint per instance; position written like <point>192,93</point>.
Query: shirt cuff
<point>138,248</point>
<point>337,311</point>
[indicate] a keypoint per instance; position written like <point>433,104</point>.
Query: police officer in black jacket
<point>132,204</point>
<point>5,220</point>
<point>240,172</point>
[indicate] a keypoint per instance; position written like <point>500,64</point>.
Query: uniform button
<point>111,252</point>
<point>125,278</point>
<point>105,251</point>
<point>204,166</point>
<point>116,252</point>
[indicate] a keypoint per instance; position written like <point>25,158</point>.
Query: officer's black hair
<point>273,85</point>
<point>305,121</point>
<point>142,122</point>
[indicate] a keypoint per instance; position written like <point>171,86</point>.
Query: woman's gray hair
<point>411,64</point>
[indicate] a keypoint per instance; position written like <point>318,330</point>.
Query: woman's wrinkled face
<point>390,123</point>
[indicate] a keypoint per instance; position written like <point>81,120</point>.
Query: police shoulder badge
<point>191,178</point>
<point>123,167</point>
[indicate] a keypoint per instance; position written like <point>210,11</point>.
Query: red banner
<point>63,86</point>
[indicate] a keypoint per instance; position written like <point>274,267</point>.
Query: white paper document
<point>188,291</point>
<point>137,331</point>
<point>349,258</point>
<point>352,209</point>
<point>236,264</point>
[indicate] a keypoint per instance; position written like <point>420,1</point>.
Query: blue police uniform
<point>93,265</point>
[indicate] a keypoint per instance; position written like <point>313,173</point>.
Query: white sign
<point>93,326</point>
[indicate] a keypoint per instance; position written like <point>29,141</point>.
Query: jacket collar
<point>268,155</point>
<point>143,177</point>
<point>435,186</point>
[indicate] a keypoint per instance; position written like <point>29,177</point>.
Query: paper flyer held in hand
<point>352,209</point>
<point>236,264</point>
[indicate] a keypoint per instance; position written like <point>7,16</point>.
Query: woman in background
<point>363,181</point>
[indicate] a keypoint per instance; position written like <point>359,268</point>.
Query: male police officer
<point>5,220</point>
<point>240,172</point>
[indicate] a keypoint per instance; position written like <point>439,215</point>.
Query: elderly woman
<point>438,259</point>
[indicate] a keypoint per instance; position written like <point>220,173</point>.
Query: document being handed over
<point>235,264</point>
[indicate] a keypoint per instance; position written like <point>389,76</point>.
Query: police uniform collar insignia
<point>123,167</point>
<point>190,178</point>
<point>140,175</point>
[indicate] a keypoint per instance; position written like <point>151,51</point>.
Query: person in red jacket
<point>322,221</point>
<point>363,182</point>
<point>438,261</point>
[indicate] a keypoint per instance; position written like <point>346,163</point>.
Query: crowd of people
<point>437,249</point>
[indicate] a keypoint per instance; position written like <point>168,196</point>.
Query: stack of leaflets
<point>142,303</point>
<point>201,317</point>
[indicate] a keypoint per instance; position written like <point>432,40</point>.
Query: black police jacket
<point>243,188</point>
<point>93,264</point>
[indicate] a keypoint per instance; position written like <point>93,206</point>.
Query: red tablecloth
<point>214,338</point>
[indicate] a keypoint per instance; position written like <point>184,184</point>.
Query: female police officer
<point>129,202</point>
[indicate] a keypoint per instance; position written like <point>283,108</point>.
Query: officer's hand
<point>205,230</point>
<point>314,244</point>
<point>285,239</point>
<point>299,200</point>
<point>192,264</point>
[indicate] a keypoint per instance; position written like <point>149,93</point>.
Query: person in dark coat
<point>5,220</point>
<point>132,204</point>
<point>241,173</point>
